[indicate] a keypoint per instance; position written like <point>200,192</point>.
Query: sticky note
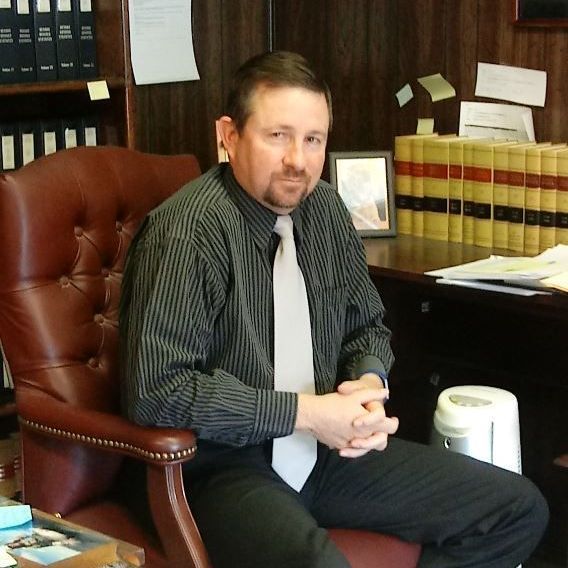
<point>438,87</point>
<point>404,95</point>
<point>98,90</point>
<point>425,126</point>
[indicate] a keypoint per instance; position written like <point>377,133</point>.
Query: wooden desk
<point>447,335</point>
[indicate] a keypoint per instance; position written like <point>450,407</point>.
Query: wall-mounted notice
<point>161,43</point>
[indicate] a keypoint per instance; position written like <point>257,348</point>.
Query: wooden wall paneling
<point>348,74</point>
<point>461,59</point>
<point>555,127</point>
<point>420,52</point>
<point>301,26</point>
<point>180,117</point>
<point>381,80</point>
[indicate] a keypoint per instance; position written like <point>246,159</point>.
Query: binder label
<point>70,138</point>
<point>8,154</point>
<point>43,6</point>
<point>23,6</point>
<point>28,153</point>
<point>49,143</point>
<point>90,136</point>
<point>85,6</point>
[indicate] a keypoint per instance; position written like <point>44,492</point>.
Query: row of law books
<point>47,40</point>
<point>24,141</point>
<point>487,192</point>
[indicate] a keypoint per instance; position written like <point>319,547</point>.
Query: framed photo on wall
<point>365,182</point>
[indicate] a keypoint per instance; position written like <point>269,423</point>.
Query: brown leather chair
<point>66,222</point>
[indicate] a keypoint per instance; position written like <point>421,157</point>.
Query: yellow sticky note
<point>425,126</point>
<point>98,90</point>
<point>438,87</point>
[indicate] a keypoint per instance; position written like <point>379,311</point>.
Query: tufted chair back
<point>66,222</point>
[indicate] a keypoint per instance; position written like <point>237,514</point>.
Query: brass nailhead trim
<point>171,456</point>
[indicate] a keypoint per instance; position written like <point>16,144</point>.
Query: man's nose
<point>294,156</point>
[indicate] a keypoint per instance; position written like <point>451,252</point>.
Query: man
<point>198,325</point>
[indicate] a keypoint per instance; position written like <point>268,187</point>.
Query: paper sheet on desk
<point>480,285</point>
<point>524,269</point>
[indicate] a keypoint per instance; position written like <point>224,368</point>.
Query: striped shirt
<point>196,315</point>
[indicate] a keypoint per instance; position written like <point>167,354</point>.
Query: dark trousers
<point>465,513</point>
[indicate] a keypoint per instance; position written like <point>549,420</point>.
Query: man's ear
<point>228,133</point>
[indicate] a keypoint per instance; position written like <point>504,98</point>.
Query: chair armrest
<point>40,412</point>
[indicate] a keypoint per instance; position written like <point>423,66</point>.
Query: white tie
<point>293,456</point>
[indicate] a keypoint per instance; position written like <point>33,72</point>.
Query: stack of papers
<point>543,273</point>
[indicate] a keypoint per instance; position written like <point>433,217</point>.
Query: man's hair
<point>271,69</point>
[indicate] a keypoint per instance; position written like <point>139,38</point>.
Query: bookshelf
<point>62,99</point>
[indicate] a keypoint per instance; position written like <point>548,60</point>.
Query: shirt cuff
<point>372,364</point>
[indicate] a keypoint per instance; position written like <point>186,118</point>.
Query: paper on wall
<point>495,120</point>
<point>161,43</point>
<point>515,84</point>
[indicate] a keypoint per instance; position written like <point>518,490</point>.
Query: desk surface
<point>406,258</point>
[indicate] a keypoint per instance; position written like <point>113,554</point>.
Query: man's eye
<point>277,134</point>
<point>314,140</point>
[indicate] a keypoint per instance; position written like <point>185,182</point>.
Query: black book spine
<point>66,41</point>
<point>44,34</point>
<point>85,33</point>
<point>24,25</point>
<point>8,60</point>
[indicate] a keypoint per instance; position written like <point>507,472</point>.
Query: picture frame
<point>540,13</point>
<point>365,182</point>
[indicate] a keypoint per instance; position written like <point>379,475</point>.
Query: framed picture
<point>364,181</point>
<point>543,13</point>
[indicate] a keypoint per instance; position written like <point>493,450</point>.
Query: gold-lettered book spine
<point>562,199</point>
<point>548,197</point>
<point>404,201</point>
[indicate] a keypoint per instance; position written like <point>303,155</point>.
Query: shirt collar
<point>260,219</point>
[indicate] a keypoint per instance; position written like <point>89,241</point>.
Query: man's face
<point>279,155</point>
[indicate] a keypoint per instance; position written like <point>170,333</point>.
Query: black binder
<point>85,33</point>
<point>89,131</point>
<point>28,142</point>
<point>9,151</point>
<point>49,136</point>
<point>8,61</point>
<point>24,35</point>
<point>69,132</point>
<point>66,41</point>
<point>44,35</point>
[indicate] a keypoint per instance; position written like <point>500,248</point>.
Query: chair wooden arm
<point>44,414</point>
<point>163,450</point>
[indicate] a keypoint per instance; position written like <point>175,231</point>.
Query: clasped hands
<point>351,420</point>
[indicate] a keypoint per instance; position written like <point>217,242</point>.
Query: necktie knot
<point>284,227</point>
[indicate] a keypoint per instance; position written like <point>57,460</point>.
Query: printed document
<point>161,42</point>
<point>515,84</point>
